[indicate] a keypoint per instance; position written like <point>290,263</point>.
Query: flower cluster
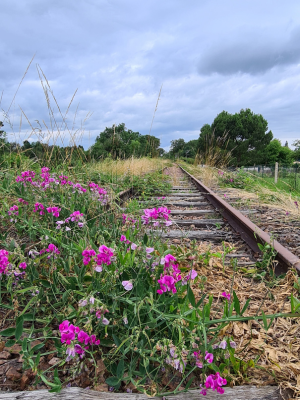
<point>104,256</point>
<point>26,176</point>
<point>38,207</point>
<point>87,255</point>
<point>127,219</point>
<point>52,250</point>
<point>14,210</point>
<point>158,216</point>
<point>209,357</point>
<point>54,211</point>
<point>3,261</point>
<point>175,356</point>
<point>170,276</point>
<point>99,192</point>
<point>7,268</point>
<point>215,382</point>
<point>91,306</point>
<point>46,180</point>
<point>76,216</point>
<point>68,336</point>
<point>123,239</point>
<point>20,200</point>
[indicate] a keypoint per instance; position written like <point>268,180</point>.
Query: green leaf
<point>38,347</point>
<point>145,239</point>
<point>116,340</point>
<point>112,381</point>
<point>10,343</point>
<point>8,332</point>
<point>45,283</point>
<point>189,383</point>
<point>265,321</point>
<point>246,306</point>
<point>191,296</point>
<point>19,327</point>
<point>236,303</point>
<point>120,369</point>
<point>28,317</point>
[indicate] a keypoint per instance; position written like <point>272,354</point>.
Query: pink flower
<point>104,256</point>
<point>4,263</point>
<point>209,357</point>
<point>22,201</point>
<point>13,210</point>
<point>23,265</point>
<point>54,211</point>
<point>76,216</point>
<point>215,382</point>
<point>52,249</point>
<point>87,255</point>
<point>133,246</point>
<point>149,250</point>
<point>123,238</point>
<point>39,207</point>
<point>226,295</point>
<point>167,284</point>
<point>83,337</point>
<point>127,285</point>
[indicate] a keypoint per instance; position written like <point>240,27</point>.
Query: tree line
<point>246,136</point>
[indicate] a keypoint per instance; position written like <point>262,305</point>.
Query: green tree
<point>248,135</point>
<point>118,141</point>
<point>177,147</point>
<point>297,149</point>
<point>275,152</point>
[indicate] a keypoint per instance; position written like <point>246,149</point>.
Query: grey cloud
<point>253,56</point>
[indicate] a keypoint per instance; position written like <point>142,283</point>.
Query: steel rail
<point>248,231</point>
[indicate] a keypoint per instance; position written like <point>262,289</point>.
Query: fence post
<point>276,172</point>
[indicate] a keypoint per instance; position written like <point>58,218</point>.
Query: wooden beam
<point>74,393</point>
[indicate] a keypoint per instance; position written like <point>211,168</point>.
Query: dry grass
<point>277,349</point>
<point>132,166</point>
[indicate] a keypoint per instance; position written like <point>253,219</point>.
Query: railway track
<point>199,214</point>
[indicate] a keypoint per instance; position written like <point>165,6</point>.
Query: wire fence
<point>289,175</point>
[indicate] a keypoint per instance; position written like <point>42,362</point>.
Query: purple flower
<point>149,250</point>
<point>223,345</point>
<point>133,246</point>
<point>232,344</point>
<point>127,285</point>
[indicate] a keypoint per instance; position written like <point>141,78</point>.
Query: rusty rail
<point>248,231</point>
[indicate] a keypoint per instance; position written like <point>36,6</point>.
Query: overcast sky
<point>209,56</point>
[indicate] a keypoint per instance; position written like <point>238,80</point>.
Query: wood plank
<point>236,393</point>
<point>180,198</point>
<point>198,222</point>
<point>201,235</point>
<point>191,212</point>
<point>183,194</point>
<point>186,203</point>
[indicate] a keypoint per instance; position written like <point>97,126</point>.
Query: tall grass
<point>215,152</point>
